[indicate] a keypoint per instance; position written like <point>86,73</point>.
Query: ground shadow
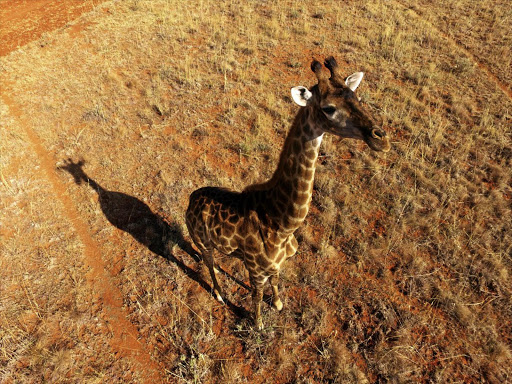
<point>133,216</point>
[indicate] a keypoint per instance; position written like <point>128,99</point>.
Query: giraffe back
<point>218,218</point>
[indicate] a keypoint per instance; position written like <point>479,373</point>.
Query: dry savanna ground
<point>110,121</point>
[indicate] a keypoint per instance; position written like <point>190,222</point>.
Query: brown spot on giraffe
<point>258,223</point>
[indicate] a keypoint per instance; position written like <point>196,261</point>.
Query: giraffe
<point>257,225</point>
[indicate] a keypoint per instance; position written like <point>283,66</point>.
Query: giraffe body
<point>258,224</point>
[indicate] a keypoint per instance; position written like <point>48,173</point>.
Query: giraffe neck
<point>287,195</point>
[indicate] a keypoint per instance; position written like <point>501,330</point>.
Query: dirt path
<point>126,340</point>
<point>23,21</point>
<point>20,23</point>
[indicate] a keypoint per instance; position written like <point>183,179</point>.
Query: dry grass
<point>480,28</point>
<point>403,271</point>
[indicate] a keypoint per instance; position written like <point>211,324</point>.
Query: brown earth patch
<point>23,21</point>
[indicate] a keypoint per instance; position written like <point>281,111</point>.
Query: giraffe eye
<point>329,110</point>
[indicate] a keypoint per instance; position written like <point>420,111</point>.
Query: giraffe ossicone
<point>257,225</point>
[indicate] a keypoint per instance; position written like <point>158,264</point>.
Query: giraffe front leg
<point>276,301</point>
<point>257,298</point>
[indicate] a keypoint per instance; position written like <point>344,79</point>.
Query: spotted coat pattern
<point>258,224</point>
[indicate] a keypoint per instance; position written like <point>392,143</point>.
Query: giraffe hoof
<point>219,297</point>
<point>278,304</point>
<point>259,324</point>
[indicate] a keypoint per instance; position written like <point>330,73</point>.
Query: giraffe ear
<point>301,95</point>
<point>354,80</point>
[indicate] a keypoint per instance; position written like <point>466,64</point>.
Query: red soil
<point>23,21</point>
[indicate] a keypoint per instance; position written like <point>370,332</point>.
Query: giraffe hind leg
<point>208,259</point>
<point>198,234</point>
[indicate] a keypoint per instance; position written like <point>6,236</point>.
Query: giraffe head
<point>335,108</point>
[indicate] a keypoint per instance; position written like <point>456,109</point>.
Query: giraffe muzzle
<point>380,140</point>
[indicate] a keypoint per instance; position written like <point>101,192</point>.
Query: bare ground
<point>110,121</point>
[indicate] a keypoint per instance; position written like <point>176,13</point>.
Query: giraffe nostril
<point>378,134</point>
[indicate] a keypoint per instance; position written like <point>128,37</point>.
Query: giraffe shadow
<point>133,216</point>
